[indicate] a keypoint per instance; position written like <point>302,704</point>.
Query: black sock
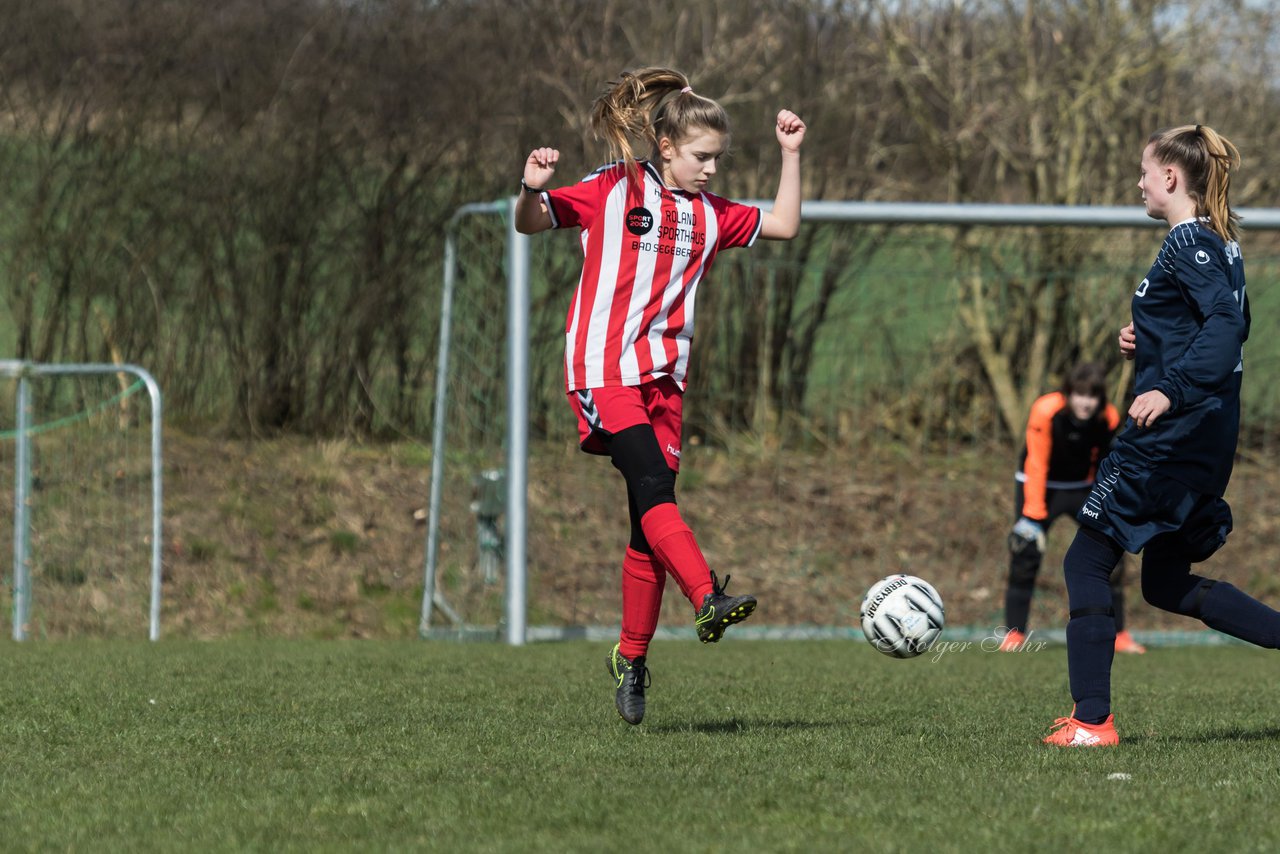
<point>1091,631</point>
<point>1091,642</point>
<point>1232,612</point>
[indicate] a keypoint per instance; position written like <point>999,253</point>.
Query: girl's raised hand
<point>540,166</point>
<point>790,131</point>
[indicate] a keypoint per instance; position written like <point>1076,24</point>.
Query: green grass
<point>747,746</point>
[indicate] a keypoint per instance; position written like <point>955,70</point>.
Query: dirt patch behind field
<point>298,538</point>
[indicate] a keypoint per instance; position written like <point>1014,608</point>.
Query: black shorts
<point>1132,505</point>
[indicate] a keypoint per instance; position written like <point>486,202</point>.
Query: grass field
<point>756,746</point>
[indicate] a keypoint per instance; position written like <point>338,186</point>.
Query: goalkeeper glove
<point>1026,534</point>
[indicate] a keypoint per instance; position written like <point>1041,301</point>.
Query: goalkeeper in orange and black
<point>1067,433</point>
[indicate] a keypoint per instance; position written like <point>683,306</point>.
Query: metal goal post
<point>31,484</point>
<point>517,347</point>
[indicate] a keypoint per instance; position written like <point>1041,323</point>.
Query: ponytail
<point>1207,159</point>
<point>649,104</point>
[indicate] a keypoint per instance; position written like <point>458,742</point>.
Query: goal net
<point>80,466</point>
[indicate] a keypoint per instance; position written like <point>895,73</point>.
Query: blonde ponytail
<point>1207,160</point>
<point>1224,158</point>
<point>649,104</point>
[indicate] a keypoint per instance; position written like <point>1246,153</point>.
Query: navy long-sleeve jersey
<point>1191,318</point>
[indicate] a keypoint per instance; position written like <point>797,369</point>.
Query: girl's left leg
<point>651,484</point>
<point>635,452</point>
<point>1168,583</point>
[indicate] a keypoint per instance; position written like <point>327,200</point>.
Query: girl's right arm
<point>531,214</point>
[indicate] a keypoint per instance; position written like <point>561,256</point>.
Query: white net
<point>89,505</point>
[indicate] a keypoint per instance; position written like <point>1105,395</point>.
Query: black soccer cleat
<point>632,677</point>
<point>719,611</point>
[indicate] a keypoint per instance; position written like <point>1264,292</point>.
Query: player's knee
<point>1185,598</point>
<point>1159,596</point>
<point>654,488</point>
<point>635,453</point>
<point>1090,560</point>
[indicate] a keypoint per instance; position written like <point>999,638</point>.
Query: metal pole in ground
<point>157,498</point>
<point>22,511</point>
<point>431,597</point>
<point>437,432</point>
<point>517,427</point>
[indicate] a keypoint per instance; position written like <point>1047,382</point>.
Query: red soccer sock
<point>643,580</point>
<point>674,545</point>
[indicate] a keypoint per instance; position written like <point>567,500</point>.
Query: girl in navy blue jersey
<point>1160,490</point>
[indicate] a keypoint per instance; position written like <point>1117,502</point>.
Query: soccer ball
<point>902,616</point>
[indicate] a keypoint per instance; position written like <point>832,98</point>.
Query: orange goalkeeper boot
<point>1125,643</point>
<point>1013,641</point>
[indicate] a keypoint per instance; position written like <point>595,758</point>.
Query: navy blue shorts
<point>1132,504</point>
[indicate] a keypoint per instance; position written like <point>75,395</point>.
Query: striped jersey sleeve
<point>739,224</point>
<point>580,203</point>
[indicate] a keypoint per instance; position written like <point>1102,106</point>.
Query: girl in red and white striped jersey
<point>649,233</point>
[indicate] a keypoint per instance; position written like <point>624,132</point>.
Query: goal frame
<point>518,255</point>
<point>24,372</point>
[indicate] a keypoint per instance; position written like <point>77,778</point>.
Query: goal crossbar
<point>517,379</point>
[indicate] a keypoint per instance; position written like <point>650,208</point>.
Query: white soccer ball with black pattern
<point>902,616</point>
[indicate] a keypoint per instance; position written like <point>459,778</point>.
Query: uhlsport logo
<point>639,221</point>
<point>1202,257</point>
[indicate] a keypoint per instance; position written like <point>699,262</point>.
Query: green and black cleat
<point>719,611</point>
<point>632,678</point>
